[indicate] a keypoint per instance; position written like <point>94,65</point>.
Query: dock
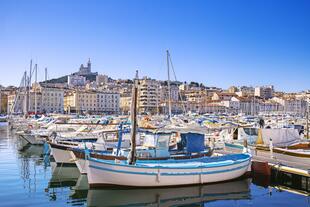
<point>277,164</point>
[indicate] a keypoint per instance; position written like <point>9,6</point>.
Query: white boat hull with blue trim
<point>167,173</point>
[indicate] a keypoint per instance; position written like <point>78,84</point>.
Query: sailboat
<point>157,173</point>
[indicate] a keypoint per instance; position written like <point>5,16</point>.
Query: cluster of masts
<point>25,88</point>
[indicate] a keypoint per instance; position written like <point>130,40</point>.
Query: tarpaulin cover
<point>280,137</point>
<point>194,142</point>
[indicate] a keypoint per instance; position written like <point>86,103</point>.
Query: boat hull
<point>102,173</point>
<point>32,139</point>
<point>80,163</point>
<point>61,154</point>
<point>290,156</point>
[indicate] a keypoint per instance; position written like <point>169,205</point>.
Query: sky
<point>216,42</point>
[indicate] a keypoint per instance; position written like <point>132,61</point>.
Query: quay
<point>264,164</point>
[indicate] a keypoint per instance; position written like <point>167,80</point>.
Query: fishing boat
<point>100,140</point>
<point>159,173</point>
<point>167,173</point>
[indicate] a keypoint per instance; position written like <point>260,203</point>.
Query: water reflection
<point>283,181</point>
<point>68,177</point>
<point>191,195</point>
<point>31,157</point>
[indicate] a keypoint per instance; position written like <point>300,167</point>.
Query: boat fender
<point>271,148</point>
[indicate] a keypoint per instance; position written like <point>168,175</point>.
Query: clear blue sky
<point>216,42</point>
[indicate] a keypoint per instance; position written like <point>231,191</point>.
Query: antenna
<point>35,88</point>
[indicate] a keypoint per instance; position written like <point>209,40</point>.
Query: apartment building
<point>125,103</point>
<point>270,106</point>
<point>222,96</point>
<point>43,100</point>
<point>92,102</point>
<point>292,105</point>
<point>265,92</point>
<point>52,99</point>
<point>3,102</point>
<point>149,98</point>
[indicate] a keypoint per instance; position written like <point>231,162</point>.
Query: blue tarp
<point>194,142</point>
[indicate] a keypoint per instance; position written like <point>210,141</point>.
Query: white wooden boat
<point>61,147</point>
<point>167,172</point>
<point>291,154</point>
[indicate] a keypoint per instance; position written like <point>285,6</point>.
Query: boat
<point>167,173</point>
<point>292,154</point>
<point>3,119</point>
<point>281,144</point>
<point>103,140</point>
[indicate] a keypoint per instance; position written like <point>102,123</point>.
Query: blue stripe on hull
<point>169,174</point>
<point>234,146</point>
<point>213,164</point>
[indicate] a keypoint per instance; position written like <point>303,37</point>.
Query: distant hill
<point>64,79</point>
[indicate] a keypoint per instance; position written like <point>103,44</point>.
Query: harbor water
<point>28,178</point>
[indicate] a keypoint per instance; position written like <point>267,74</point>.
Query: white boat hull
<point>32,139</point>
<point>62,156</point>
<point>102,173</point>
<point>80,163</point>
<point>282,154</point>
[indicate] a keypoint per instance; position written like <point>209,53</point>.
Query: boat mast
<point>307,123</point>
<point>29,86</point>
<point>25,93</point>
<point>35,88</point>
<point>158,96</point>
<point>169,90</point>
<point>132,154</point>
